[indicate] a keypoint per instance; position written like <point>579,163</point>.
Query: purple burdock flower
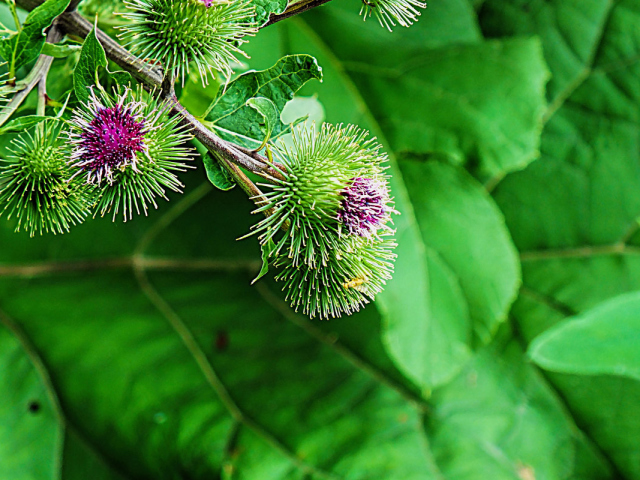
<point>207,3</point>
<point>109,139</point>
<point>364,206</point>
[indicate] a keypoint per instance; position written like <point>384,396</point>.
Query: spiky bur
<point>355,272</point>
<point>405,12</point>
<point>319,169</point>
<point>36,184</point>
<point>177,33</point>
<point>337,250</point>
<point>129,148</point>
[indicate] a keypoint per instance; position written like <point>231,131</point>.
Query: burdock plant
<point>128,147</point>
<point>325,209</point>
<point>206,33</point>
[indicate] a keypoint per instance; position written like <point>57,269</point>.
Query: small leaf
<point>22,123</point>
<point>264,8</point>
<point>217,175</point>
<point>24,47</point>
<point>230,110</point>
<point>267,109</point>
<point>92,57</point>
<point>59,51</point>
<point>266,248</point>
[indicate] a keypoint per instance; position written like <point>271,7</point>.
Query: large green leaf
<point>166,363</point>
<point>594,357</point>
<point>574,212</point>
<point>486,114</point>
<point>500,418</point>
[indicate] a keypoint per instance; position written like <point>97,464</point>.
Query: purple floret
<point>110,142</point>
<point>364,206</point>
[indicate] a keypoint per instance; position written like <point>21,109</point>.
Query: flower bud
<point>334,184</point>
<point>178,33</point>
<point>36,184</point>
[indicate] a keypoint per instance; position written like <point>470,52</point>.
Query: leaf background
<point>512,127</point>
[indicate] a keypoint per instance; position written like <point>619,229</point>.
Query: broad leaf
<point>278,84</point>
<point>574,212</point>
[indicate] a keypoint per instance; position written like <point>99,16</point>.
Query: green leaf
<point>22,123</point>
<point>266,249</point>
<point>59,51</point>
<point>217,175</point>
<point>594,359</point>
<point>486,115</point>
<point>601,341</point>
<point>24,47</point>
<point>264,8</point>
<point>42,442</point>
<point>500,418</point>
<point>279,83</point>
<point>85,74</point>
<point>460,225</point>
<point>574,213</point>
<point>269,113</point>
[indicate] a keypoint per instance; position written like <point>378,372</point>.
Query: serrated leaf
<point>279,83</point>
<point>217,175</point>
<point>264,8</point>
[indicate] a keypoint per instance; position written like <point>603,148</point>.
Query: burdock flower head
<point>36,184</point>
<point>177,33</point>
<point>128,147</point>
<point>109,137</point>
<point>330,220</point>
<point>405,12</point>
<point>333,183</point>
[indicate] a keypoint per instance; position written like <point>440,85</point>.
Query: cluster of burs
<point>327,210</point>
